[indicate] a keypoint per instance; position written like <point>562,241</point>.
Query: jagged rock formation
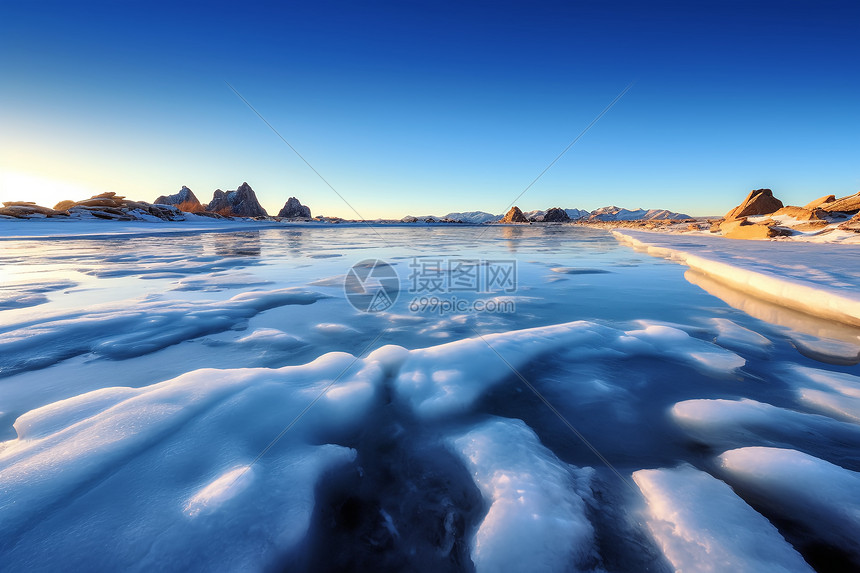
<point>556,215</point>
<point>758,202</point>
<point>515,215</point>
<point>850,204</point>
<point>185,198</point>
<point>293,209</point>
<point>239,203</point>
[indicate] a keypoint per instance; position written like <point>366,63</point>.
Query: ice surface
<point>160,470</point>
<point>370,476</point>
<point>434,391</point>
<point>536,519</point>
<point>118,333</point>
<point>701,525</point>
<point>433,388</point>
<point>802,488</point>
<point>29,293</point>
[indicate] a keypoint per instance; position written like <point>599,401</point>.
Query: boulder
<point>64,205</point>
<point>27,210</point>
<point>515,215</point>
<point>820,202</point>
<point>185,199</point>
<point>848,204</point>
<point>758,202</point>
<point>743,229</point>
<point>802,213</point>
<point>555,215</point>
<point>293,209</point>
<point>240,203</point>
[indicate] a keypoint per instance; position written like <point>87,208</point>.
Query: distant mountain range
<point>610,213</point>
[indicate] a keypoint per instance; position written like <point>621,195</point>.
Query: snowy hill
<point>613,213</point>
<point>467,217</point>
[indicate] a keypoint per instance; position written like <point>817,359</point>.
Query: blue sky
<point>431,107</point>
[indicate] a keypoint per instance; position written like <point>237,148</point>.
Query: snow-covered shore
<point>822,280</point>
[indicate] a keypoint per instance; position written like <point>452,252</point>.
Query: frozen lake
<point>584,407</point>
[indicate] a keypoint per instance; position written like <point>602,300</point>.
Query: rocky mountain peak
<point>241,203</point>
<point>293,209</point>
<point>515,215</point>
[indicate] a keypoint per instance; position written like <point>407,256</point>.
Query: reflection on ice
<point>820,339</point>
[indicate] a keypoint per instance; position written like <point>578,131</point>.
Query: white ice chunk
<point>666,341</point>
<point>833,393</point>
<point>271,338</point>
<point>735,337</point>
<point>800,487</point>
<point>701,525</point>
<point>727,422</point>
<point>333,328</point>
<point>536,519</point>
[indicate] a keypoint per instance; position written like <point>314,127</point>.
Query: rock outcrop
<point>820,202</point>
<point>185,199</point>
<point>801,213</point>
<point>293,209</point>
<point>758,202</point>
<point>104,206</point>
<point>743,229</point>
<point>850,204</point>
<point>28,210</point>
<point>853,224</point>
<point>515,215</point>
<point>555,215</point>
<point>239,203</point>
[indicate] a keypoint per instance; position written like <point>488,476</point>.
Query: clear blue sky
<point>430,107</point>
